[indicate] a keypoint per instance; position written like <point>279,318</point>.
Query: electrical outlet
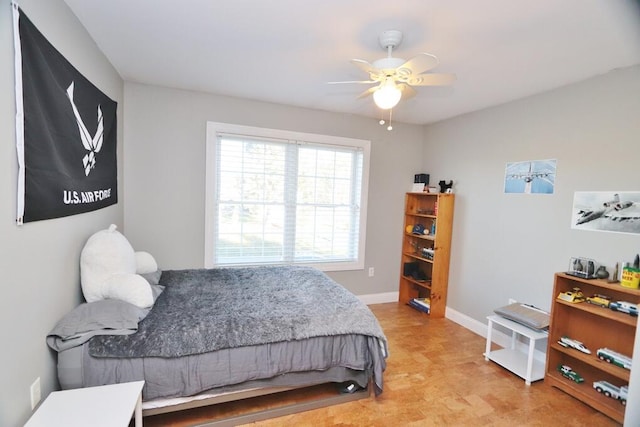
<point>512,301</point>
<point>35,393</point>
<point>371,271</point>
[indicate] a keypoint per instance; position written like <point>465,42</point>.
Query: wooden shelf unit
<point>427,209</point>
<point>596,327</point>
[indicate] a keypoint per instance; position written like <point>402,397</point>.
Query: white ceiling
<point>284,51</point>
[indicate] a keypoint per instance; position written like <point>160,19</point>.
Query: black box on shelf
<point>410,268</point>
<point>421,178</point>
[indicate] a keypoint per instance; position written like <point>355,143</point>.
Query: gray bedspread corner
<point>379,353</point>
<point>104,317</point>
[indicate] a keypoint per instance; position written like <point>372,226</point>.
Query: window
<point>281,197</point>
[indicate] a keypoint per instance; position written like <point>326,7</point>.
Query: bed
<point>216,334</point>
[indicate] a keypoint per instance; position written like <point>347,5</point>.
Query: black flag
<point>67,152</point>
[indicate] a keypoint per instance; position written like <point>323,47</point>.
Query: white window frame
<point>215,128</point>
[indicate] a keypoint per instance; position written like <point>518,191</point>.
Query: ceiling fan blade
<point>374,73</point>
<point>407,91</point>
<point>353,81</point>
<point>418,64</point>
<point>364,66</point>
<point>368,92</point>
<point>433,79</point>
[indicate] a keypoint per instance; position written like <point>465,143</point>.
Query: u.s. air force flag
<point>66,132</point>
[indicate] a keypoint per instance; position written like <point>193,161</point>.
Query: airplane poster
<point>530,177</point>
<point>612,211</point>
<point>65,132</point>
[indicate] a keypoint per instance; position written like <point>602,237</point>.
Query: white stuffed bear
<point>109,268</point>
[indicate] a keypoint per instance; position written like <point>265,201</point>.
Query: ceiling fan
<point>395,76</point>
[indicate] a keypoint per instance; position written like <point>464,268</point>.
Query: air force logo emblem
<point>91,144</point>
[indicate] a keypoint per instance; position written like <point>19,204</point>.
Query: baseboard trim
<point>379,298</point>
<point>498,337</point>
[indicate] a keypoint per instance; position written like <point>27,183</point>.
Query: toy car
<point>428,253</point>
<point>567,372</point>
<point>573,296</point>
<point>570,343</point>
<point>614,357</point>
<point>612,391</point>
<point>625,307</point>
<point>598,299</point>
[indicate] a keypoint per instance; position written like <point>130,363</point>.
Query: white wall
<point>40,261</point>
<point>510,245</point>
<point>165,132</point>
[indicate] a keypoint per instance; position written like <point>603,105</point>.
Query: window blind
<point>286,201</point>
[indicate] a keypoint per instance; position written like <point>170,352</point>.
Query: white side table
<point>521,364</point>
<point>107,405</point>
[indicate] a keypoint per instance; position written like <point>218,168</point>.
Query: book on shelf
<point>420,307</point>
<point>425,302</point>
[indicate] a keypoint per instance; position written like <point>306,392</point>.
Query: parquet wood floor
<point>436,376</point>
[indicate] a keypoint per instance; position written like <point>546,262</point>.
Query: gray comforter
<point>212,309</point>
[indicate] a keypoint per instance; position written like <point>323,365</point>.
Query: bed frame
<point>320,400</point>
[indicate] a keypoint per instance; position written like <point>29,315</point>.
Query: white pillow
<point>108,270</point>
<point>145,263</point>
<point>131,288</point>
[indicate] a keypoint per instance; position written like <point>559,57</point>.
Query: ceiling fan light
<point>387,95</point>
